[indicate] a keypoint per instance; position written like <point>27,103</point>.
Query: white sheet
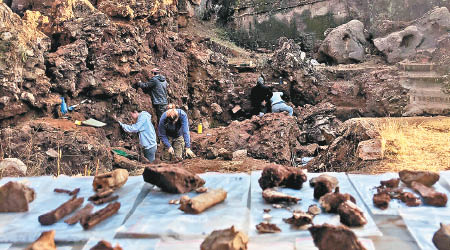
<point>141,244</point>
<point>306,194</point>
<point>422,223</point>
<point>25,227</point>
<point>307,243</point>
<point>156,217</point>
<point>365,185</point>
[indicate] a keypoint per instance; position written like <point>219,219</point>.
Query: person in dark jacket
<point>173,130</point>
<point>158,92</point>
<point>260,97</point>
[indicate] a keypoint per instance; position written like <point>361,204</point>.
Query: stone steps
<point>417,67</point>
<point>425,77</point>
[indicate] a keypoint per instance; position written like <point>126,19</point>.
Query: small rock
<point>212,153</point>
<point>370,150</point>
<point>236,109</point>
<point>13,167</point>
<point>217,110</point>
<point>52,153</point>
<point>225,154</point>
<point>239,154</point>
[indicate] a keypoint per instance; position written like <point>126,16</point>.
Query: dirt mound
<point>273,137</point>
<point>33,142</point>
<point>342,154</point>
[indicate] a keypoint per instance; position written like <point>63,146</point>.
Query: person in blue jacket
<point>146,131</point>
<point>173,130</point>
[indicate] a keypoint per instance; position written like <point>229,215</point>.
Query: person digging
<point>146,131</point>
<point>158,90</point>
<point>173,130</point>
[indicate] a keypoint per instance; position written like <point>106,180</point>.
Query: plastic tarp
<point>4,246</point>
<point>156,217</point>
<point>366,187</point>
<point>141,244</point>
<point>195,244</point>
<point>307,243</point>
<point>40,186</point>
<point>446,176</point>
<point>258,205</point>
<point>423,223</point>
<point>26,228</point>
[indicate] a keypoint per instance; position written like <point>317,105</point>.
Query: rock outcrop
<point>344,44</point>
<point>421,36</point>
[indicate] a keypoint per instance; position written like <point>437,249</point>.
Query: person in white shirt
<point>278,105</point>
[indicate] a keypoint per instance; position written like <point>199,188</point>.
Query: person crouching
<point>173,130</point>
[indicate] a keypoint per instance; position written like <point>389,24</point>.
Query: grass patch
<point>415,144</point>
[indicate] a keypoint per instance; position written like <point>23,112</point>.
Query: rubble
<point>299,219</point>
<point>410,199</point>
<point>341,155</point>
<point>202,202</point>
<point>45,242</point>
<point>344,44</point>
<point>60,212</point>
<point>276,175</point>
<point>323,184</point>
<point>71,193</point>
<point>273,196</point>
<point>441,239</point>
<point>427,178</point>
<point>351,215</point>
<point>12,167</point>
<point>331,201</point>
<point>391,183</point>
<point>201,190</point>
<point>104,245</point>
<point>274,136</point>
<point>91,220</point>
<point>226,239</point>
<point>314,210</point>
<point>103,197</point>
<point>14,197</point>
<point>265,227</point>
<point>79,214</point>
<point>381,200</point>
<point>112,180</point>
<point>172,178</point>
<point>429,195</point>
<point>327,237</point>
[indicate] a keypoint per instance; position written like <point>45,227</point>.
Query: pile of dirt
<point>357,145</point>
<point>273,136</point>
<point>37,144</point>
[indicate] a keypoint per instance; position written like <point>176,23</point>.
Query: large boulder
<point>400,45</point>
<point>423,35</point>
<point>344,44</point>
<point>12,167</point>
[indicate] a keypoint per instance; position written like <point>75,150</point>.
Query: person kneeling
<point>173,130</point>
<point>278,105</point>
